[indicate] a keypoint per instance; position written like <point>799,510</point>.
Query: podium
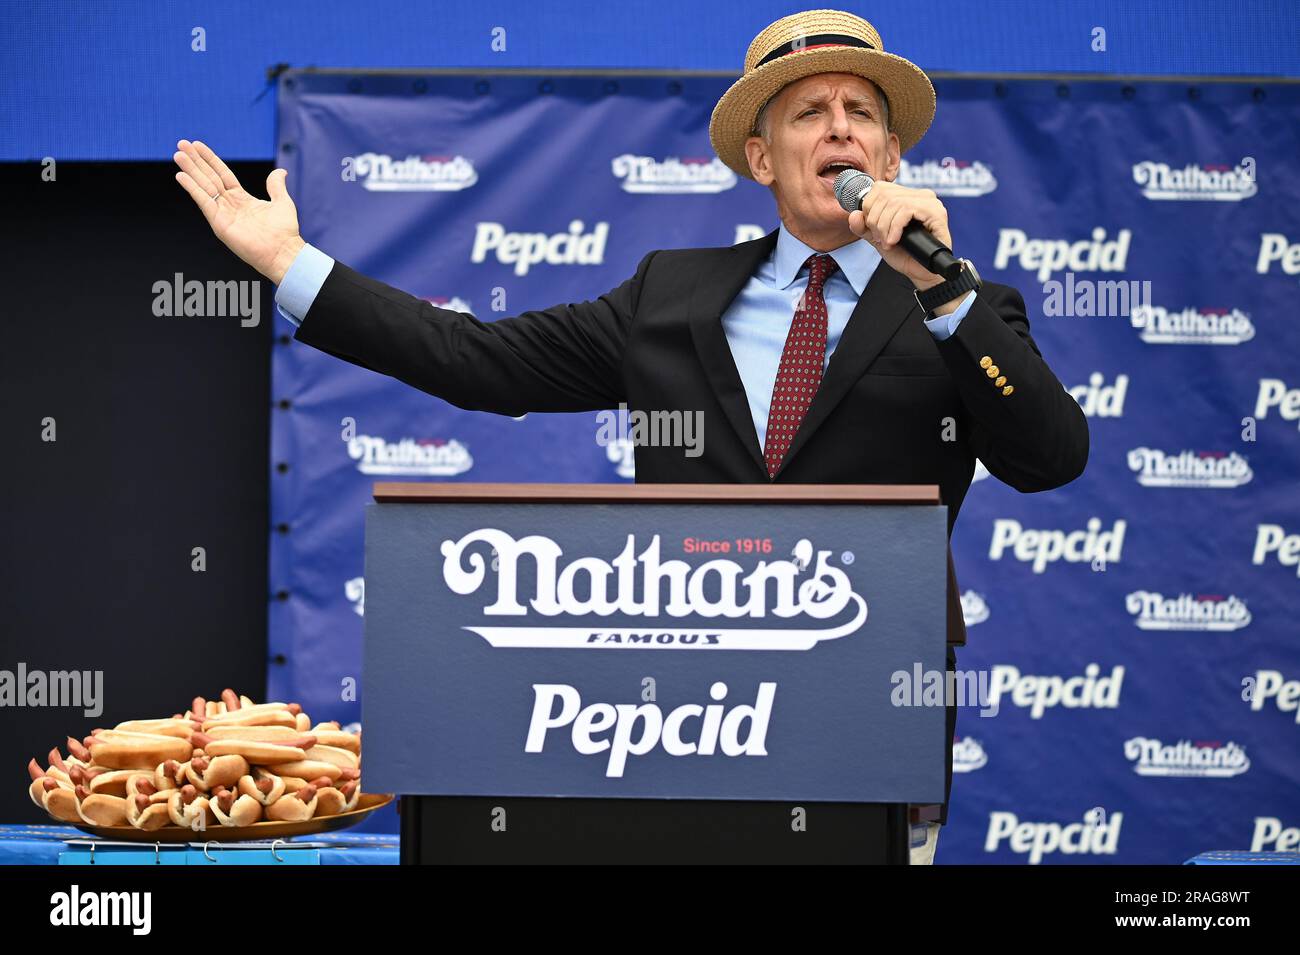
<point>655,673</point>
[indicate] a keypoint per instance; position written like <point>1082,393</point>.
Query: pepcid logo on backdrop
<point>1151,757</point>
<point>1217,183</point>
<point>1046,256</point>
<point>812,600</point>
<point>380,172</point>
<point>1095,835</point>
<point>1271,834</point>
<point>1042,547</point>
<point>689,175</point>
<point>1274,393</point>
<point>523,250</point>
<point>1039,693</point>
<point>427,457</point>
<point>1192,326</point>
<point>960,178</point>
<point>1154,611</point>
<point>1100,400</point>
<point>1202,469</point>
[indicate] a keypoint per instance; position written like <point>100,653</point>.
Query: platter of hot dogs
<point>226,770</point>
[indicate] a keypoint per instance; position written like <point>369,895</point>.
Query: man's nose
<point>839,122</point>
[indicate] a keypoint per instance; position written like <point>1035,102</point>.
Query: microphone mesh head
<point>850,187</point>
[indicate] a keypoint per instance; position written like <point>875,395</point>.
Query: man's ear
<point>895,157</point>
<point>759,165</point>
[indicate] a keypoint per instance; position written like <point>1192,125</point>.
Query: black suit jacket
<point>895,406</point>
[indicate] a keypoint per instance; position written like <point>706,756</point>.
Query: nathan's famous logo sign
<point>796,603</point>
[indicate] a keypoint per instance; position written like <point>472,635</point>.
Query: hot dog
<point>234,810</point>
<point>207,772</point>
<point>266,789</point>
<point>294,807</point>
<point>117,749</point>
<point>260,752</point>
<point>98,809</point>
<point>186,804</point>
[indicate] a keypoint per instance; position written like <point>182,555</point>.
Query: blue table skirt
<point>41,845</point>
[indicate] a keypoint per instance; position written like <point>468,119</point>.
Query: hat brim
<point>910,93</point>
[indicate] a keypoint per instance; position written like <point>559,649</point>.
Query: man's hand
<point>264,234</point>
<point>885,210</point>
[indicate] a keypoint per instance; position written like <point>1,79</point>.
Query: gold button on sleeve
<point>992,371</point>
<point>1008,389</point>
<point>985,361</point>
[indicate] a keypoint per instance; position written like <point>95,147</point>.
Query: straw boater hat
<point>818,41</point>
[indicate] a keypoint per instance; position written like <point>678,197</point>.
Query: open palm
<point>262,232</point>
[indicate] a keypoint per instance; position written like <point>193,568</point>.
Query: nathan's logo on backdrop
<point>590,586</point>
<point>947,176</point>
<point>526,249</point>
<point>355,591</point>
<point>1273,393</point>
<point>1272,539</point>
<point>1154,611</point>
<point>1097,254</point>
<point>1043,547</point>
<point>1275,247</point>
<point>1192,326</point>
<point>455,303</point>
<point>748,232</point>
<point>621,453</point>
<point>379,172</point>
<point>1220,183</point>
<point>981,472</point>
<point>1270,833</point>
<point>1092,836</point>
<point>1100,400</point>
<point>973,608</point>
<point>645,174</point>
<point>427,457</point>
<point>1040,693</point>
<point>1268,685</point>
<point>968,755</point>
<point>1209,469</point>
<point>1151,757</point>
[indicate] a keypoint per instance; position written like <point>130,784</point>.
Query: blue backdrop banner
<point>1134,631</point>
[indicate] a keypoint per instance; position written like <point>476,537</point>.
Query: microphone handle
<point>929,251</point>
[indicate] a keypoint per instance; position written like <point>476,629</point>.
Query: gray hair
<point>762,122</point>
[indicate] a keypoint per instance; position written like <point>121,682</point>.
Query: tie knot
<point>820,268</point>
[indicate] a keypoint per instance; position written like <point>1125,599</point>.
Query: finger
<point>893,227</point>
<point>858,223</point>
<point>275,187</point>
<point>202,199</point>
<point>192,150</point>
<point>186,161</point>
<point>220,168</point>
<point>874,217</point>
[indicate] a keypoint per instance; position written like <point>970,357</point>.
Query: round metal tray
<point>366,804</point>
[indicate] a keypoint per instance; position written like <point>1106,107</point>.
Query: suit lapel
<point>885,303</point>
<point>715,288</point>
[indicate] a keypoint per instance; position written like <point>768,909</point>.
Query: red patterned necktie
<point>800,372</point>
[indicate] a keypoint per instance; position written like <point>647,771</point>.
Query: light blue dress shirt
<point>756,323</point>
<point>758,320</point>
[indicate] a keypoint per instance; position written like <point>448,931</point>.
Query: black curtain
<point>162,447</point>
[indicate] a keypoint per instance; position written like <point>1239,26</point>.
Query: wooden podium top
<point>468,492</point>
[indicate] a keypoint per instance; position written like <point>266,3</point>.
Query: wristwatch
<point>966,280</point>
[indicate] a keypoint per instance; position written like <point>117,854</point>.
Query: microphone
<point>851,186</point>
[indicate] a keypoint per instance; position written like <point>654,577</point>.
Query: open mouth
<point>832,168</point>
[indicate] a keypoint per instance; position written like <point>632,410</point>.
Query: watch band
<point>932,298</point>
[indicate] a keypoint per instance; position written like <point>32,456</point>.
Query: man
<point>820,353</point>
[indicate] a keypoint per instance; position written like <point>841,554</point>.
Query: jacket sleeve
<point>1036,437</point>
<point>565,358</point>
